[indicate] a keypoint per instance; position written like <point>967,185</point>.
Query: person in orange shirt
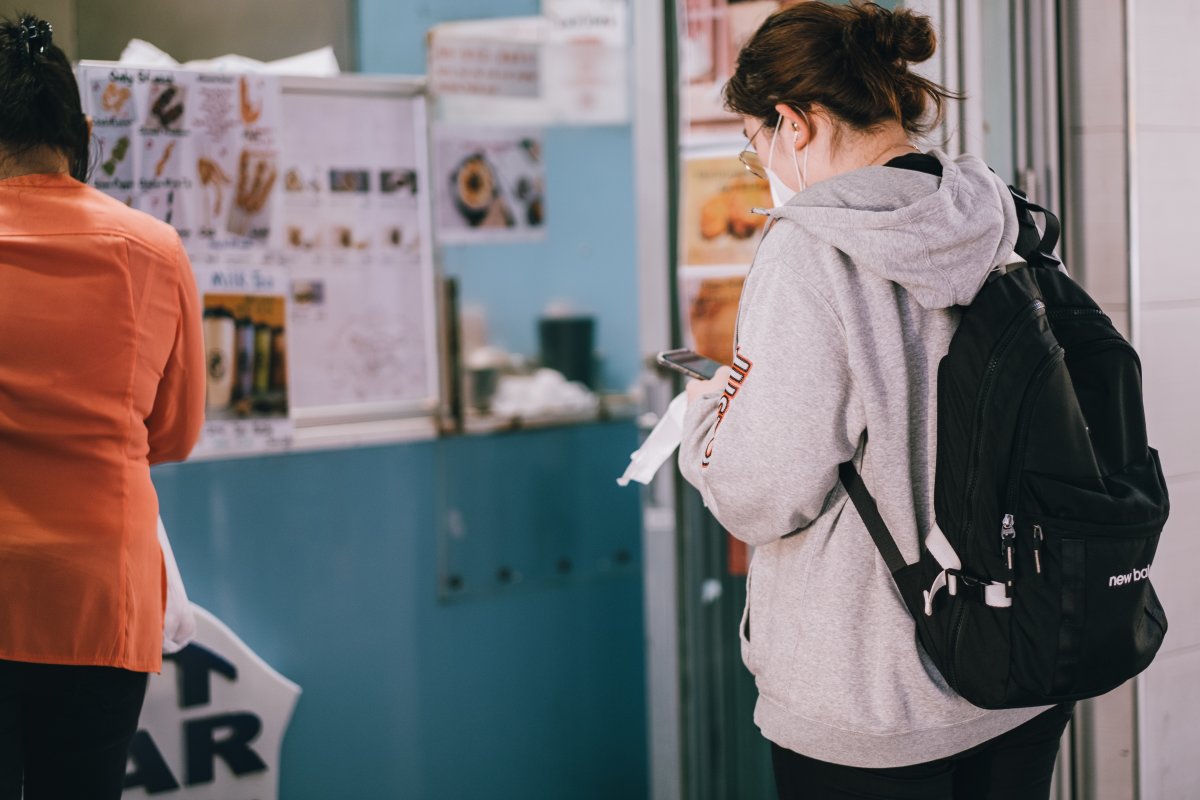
<point>101,375</point>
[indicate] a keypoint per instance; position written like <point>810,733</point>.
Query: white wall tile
<point>1164,79</point>
<point>1168,167</point>
<point>1109,723</point>
<point>1098,78</point>
<point>1176,565</point>
<point>1100,257</point>
<point>1170,353</point>
<point>1169,701</point>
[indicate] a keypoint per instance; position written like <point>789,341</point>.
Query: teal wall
<point>588,258</point>
<point>464,616</point>
<point>336,568</point>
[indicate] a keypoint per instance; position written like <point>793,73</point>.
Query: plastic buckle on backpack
<point>958,581</point>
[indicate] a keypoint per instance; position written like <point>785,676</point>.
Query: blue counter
<point>464,616</point>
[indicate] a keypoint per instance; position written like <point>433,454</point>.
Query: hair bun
<point>896,36</point>
<point>29,37</point>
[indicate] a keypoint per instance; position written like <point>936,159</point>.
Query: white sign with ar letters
<point>213,723</point>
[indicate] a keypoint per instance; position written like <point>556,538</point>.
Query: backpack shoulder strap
<point>869,511</point>
<point>1034,246</point>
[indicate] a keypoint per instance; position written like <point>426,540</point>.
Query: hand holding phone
<point>689,362</point>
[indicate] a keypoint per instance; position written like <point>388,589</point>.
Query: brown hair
<point>851,60</point>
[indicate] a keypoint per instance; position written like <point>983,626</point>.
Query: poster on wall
<point>566,66</point>
<point>708,301</point>
<point>711,32</point>
<point>358,248</point>
<point>234,159</point>
<point>490,185</point>
<point>165,185</point>
<point>213,722</point>
<point>720,225</point>
<point>198,151</point>
<point>109,94</point>
<point>247,356</point>
<point>485,67</point>
<point>587,58</point>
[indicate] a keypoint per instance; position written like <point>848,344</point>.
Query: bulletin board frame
<point>366,420</point>
<point>409,414</point>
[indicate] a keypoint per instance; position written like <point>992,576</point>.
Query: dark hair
<point>39,97</point>
<point>850,59</point>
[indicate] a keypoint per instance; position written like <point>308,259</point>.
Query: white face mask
<point>781,193</point>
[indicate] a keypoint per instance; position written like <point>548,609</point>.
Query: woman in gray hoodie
<point>848,308</point>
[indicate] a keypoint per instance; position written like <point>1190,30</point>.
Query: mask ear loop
<point>774,135</point>
<point>802,177</point>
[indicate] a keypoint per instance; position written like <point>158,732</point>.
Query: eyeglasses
<point>749,156</point>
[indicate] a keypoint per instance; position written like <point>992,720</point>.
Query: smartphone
<point>689,362</point>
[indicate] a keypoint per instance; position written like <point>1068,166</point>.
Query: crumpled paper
<point>659,445</point>
<point>317,63</point>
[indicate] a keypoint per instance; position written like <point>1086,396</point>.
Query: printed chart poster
<point>719,225</point>
<point>245,342</point>
<point>358,349</point>
<point>489,186</point>
<point>709,301</point>
<point>352,193</point>
<point>358,249</point>
<point>109,98</point>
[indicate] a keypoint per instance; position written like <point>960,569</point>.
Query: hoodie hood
<point>937,237</point>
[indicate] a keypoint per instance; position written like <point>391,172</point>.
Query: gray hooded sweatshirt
<point>844,317</point>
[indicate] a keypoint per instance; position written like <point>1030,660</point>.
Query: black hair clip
<point>36,35</point>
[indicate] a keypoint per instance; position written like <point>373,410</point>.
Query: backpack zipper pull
<point>1008,540</point>
<point>1038,538</point>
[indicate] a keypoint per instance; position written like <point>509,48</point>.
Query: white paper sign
<point>577,71</point>
<point>213,723</point>
<point>485,68</point>
<point>602,21</point>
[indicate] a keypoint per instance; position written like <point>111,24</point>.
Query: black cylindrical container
<point>567,344</point>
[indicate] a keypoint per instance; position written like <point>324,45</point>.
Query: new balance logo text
<point>1130,577</point>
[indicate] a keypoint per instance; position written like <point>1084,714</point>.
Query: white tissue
<point>316,63</point>
<point>179,620</point>
<point>545,392</point>
<point>659,445</point>
<point>144,54</point>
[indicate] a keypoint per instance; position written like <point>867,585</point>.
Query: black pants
<point>1017,765</point>
<point>66,730</point>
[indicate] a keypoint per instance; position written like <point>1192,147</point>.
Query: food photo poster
<point>490,186</point>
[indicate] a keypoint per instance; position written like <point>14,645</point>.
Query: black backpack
<point>1033,588</point>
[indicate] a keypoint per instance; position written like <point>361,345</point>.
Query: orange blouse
<point>101,375</point>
